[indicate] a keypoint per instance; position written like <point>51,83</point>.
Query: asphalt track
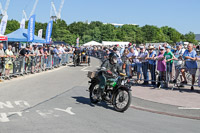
<point>57,102</point>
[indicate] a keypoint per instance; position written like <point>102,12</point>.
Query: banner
<point>22,24</point>
<point>3,24</point>
<point>31,28</point>
<point>49,31</point>
<point>40,33</point>
<point>77,42</point>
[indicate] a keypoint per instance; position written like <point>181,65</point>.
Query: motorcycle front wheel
<point>122,100</point>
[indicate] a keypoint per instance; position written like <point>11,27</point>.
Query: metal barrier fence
<point>13,67</point>
<point>162,79</point>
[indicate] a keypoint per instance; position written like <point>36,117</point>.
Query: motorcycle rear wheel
<point>94,92</point>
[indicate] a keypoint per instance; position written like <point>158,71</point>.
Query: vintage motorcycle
<point>117,90</point>
<point>76,60</point>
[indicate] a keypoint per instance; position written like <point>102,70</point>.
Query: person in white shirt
<point>132,59</point>
<point>118,54</point>
<point>9,63</point>
<point>179,52</point>
<point>142,58</point>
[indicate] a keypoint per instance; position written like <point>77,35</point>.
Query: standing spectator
<point>32,60</point>
<point>46,54</point>
<point>125,59</point>
<point>36,53</point>
<point>190,64</point>
<point>131,63</point>
<point>152,64</point>
<point>106,54</point>
<point>56,56</point>
<point>9,63</point>
<point>161,65</point>
<point>115,50</point>
<point>1,50</point>
<point>169,57</point>
<point>142,58</point>
<point>2,54</point>
<point>179,53</point>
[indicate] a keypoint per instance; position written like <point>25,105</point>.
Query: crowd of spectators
<point>33,54</point>
<point>147,61</point>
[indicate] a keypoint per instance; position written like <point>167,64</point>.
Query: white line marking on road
<point>3,117</point>
<point>68,110</point>
<point>44,115</point>
<point>188,108</point>
<point>8,104</point>
<point>21,103</point>
<point>83,69</point>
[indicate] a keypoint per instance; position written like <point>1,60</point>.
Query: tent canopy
<point>3,38</point>
<point>92,43</point>
<point>20,35</point>
<point>108,43</point>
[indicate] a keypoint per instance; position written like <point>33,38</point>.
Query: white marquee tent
<point>122,44</point>
<point>92,43</point>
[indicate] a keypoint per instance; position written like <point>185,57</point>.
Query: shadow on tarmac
<point>81,65</point>
<point>86,101</point>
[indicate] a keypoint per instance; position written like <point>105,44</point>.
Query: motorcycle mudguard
<point>93,81</point>
<point>122,87</point>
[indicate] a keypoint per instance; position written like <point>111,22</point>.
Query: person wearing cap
<point>152,64</point>
<point>143,63</point>
<point>161,65</point>
<point>169,57</point>
<point>177,63</point>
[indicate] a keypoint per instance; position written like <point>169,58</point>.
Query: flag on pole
<point>3,24</point>
<point>40,33</point>
<point>22,24</point>
<point>49,31</point>
<point>31,28</point>
<point>77,42</point>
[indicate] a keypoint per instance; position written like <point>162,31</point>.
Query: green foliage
<point>12,25</point>
<point>190,37</point>
<point>99,32</point>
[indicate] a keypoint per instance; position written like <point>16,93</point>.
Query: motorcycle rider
<point>112,68</point>
<point>77,53</point>
<point>84,55</point>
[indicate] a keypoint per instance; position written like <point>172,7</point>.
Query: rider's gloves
<point>108,71</point>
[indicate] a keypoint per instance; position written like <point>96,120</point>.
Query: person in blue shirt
<point>190,63</point>
<point>55,57</point>
<point>152,64</point>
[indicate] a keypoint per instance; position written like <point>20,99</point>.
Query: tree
<point>107,32</point>
<point>190,37</point>
<point>152,34</point>
<point>171,34</point>
<point>12,25</point>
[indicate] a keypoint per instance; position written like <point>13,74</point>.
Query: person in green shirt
<point>169,57</point>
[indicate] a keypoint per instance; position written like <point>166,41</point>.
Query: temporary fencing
<point>31,64</point>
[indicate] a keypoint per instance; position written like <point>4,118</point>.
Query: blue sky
<point>184,15</point>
